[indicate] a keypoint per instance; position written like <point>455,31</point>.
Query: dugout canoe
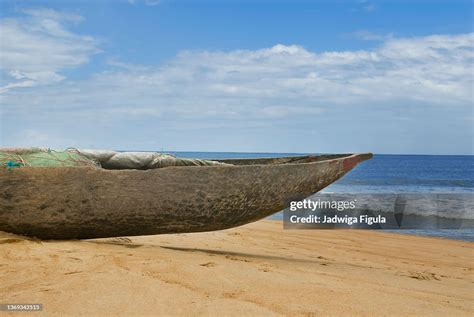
<point>85,202</point>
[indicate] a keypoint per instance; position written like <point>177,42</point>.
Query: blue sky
<point>263,76</point>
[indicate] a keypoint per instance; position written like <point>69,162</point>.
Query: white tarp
<point>141,160</point>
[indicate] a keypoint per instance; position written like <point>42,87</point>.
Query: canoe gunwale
<point>303,159</point>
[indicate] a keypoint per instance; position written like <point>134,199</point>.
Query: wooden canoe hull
<point>79,203</point>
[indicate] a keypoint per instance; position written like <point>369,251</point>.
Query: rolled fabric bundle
<point>141,160</point>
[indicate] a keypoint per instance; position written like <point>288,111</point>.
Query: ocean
<point>421,174</point>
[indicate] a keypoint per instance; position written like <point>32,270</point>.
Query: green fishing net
<point>45,158</point>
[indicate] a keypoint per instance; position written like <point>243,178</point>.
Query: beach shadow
<point>241,254</point>
<point>121,241</point>
<point>6,238</point>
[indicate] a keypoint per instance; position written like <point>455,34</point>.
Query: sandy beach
<point>257,269</point>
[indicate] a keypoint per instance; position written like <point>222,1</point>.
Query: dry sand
<point>257,269</point>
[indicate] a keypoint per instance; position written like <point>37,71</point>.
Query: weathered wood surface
<point>78,203</point>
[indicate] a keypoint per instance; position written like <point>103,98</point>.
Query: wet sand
<point>257,269</point>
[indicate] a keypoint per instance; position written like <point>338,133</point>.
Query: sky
<point>389,77</point>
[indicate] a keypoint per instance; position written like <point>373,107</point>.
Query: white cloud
<point>434,70</point>
<point>31,79</point>
<point>44,13</point>
<point>39,46</point>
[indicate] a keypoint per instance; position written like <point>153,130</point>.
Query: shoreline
<point>252,270</point>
